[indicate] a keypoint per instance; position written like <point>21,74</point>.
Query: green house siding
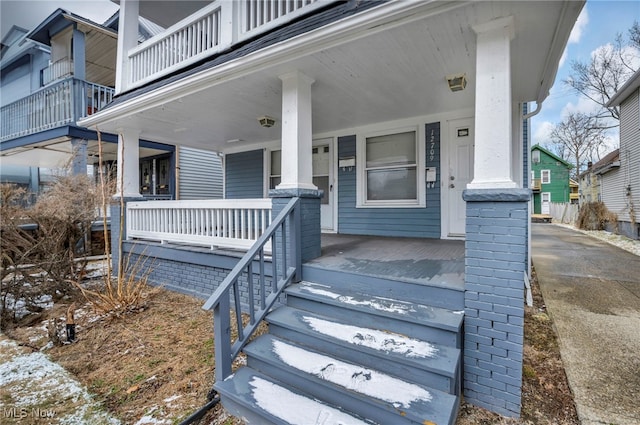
<point>558,186</point>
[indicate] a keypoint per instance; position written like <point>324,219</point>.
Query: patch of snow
<point>296,409</point>
<point>373,338</point>
<point>172,398</point>
<point>380,304</point>
<point>35,380</point>
<point>631,245</point>
<point>149,419</point>
<point>352,377</point>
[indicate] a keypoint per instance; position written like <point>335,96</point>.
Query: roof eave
<point>625,91</point>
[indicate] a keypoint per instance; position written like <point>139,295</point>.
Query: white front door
<point>546,201</point>
<point>322,157</point>
<point>460,173</point>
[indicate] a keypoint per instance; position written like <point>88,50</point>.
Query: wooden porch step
<point>405,317</point>
<point>365,391</point>
<point>260,399</point>
<point>415,360</point>
<point>443,292</point>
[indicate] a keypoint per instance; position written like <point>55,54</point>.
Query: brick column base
<point>309,216</point>
<point>496,260</point>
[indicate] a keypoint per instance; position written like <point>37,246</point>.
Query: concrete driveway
<point>592,291</point>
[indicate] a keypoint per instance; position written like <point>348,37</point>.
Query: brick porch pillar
<point>496,259</point>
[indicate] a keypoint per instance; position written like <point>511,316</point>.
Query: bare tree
<point>579,138</point>
<point>609,68</point>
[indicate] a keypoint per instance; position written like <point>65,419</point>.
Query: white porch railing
<point>210,30</point>
<point>58,69</point>
<point>223,223</point>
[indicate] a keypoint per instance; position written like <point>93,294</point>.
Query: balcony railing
<point>213,223</point>
<point>211,30</point>
<point>57,70</point>
<point>59,104</point>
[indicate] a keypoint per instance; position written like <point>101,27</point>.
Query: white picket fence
<point>563,212</point>
<point>223,223</point>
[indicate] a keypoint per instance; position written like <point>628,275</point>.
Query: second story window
<point>545,176</point>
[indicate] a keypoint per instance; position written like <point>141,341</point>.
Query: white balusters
<point>222,223</point>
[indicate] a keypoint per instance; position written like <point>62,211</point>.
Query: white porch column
<point>296,164</point>
<point>127,39</point>
<point>493,159</point>
<point>128,164</point>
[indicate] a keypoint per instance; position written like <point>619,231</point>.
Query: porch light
<point>457,82</point>
<point>266,121</point>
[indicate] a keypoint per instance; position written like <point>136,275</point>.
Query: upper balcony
<point>59,104</point>
<point>536,185</point>
<point>210,30</point>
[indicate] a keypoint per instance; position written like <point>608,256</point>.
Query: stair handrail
<point>285,249</point>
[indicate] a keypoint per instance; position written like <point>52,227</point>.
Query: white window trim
<point>361,179</point>
<point>542,175</point>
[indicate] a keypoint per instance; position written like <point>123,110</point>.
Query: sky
<point>597,26</point>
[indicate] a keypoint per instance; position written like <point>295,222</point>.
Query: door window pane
<point>322,183</point>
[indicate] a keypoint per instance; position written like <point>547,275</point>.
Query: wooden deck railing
<point>210,30</point>
<point>215,223</point>
<point>53,106</point>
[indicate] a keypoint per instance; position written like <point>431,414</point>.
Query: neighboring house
<point>375,172</point>
<point>549,179</point>
<point>60,72</point>
<point>621,187</point>
<point>574,191</point>
<point>591,179</point>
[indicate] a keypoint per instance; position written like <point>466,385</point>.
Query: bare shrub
<point>595,216</point>
<point>127,291</point>
<point>40,244</point>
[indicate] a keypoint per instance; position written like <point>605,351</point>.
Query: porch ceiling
<point>385,72</point>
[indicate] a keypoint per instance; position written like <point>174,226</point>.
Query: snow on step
<point>378,303</point>
<point>353,377</point>
<point>373,338</point>
<point>296,409</point>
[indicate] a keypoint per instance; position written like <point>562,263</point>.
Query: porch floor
<point>417,260</point>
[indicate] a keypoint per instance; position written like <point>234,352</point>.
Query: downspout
<point>176,159</point>
<point>535,112</point>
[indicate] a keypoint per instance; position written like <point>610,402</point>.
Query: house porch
<point>198,270</point>
<point>415,260</point>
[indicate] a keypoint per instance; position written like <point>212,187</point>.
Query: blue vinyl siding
<point>244,175</point>
<point>402,222</point>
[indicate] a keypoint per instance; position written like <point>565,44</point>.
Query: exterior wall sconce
<point>266,121</point>
<point>457,82</point>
